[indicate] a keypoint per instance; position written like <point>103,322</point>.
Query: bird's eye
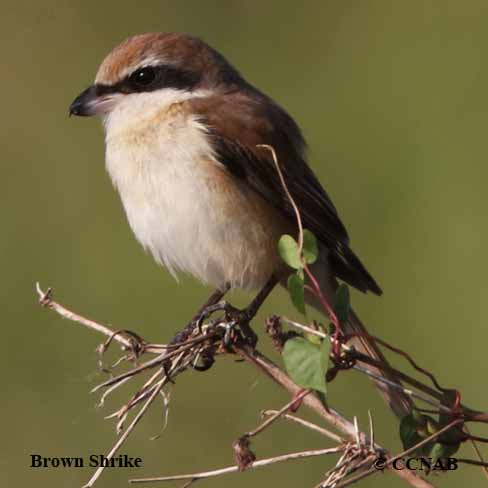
<point>143,77</point>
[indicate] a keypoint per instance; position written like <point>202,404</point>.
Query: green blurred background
<point>392,99</point>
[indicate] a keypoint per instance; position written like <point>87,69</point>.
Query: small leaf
<point>288,250</point>
<point>315,339</point>
<point>306,363</point>
<point>297,292</point>
<point>413,429</point>
<point>442,451</point>
<point>436,452</point>
<point>408,432</point>
<point>310,247</point>
<point>342,303</point>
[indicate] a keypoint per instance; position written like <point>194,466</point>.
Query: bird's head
<point>148,66</point>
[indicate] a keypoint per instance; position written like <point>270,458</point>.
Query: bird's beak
<point>91,101</point>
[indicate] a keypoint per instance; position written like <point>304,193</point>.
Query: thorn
<point>371,430</point>
<point>44,298</point>
<point>356,428</point>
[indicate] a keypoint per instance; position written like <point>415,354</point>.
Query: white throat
<point>134,109</point>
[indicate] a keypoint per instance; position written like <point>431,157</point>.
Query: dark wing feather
<point>238,122</point>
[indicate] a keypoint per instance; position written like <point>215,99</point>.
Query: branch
<point>235,469</point>
<point>306,423</point>
<point>278,414</point>
<point>209,339</point>
<point>469,414</point>
<point>392,459</point>
<point>125,434</point>
<point>46,300</point>
<point>328,414</point>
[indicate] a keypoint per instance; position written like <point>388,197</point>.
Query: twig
<point>278,413</point>
<point>406,391</point>
<point>247,353</point>
<point>346,348</point>
<point>157,361</point>
<point>473,462</point>
<point>107,392</point>
<point>45,299</point>
<point>288,195</point>
<point>470,415</point>
<point>410,360</point>
<point>391,460</point>
<point>234,469</point>
<point>371,429</point>
<point>346,465</point>
<point>309,425</point>
<point>139,396</point>
<point>476,449</point>
<point>125,434</point>
<point>315,289</point>
<point>328,414</point>
<point>477,438</point>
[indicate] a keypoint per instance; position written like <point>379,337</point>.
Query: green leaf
<point>306,363</point>
<point>342,303</point>
<point>313,339</point>
<point>310,247</point>
<point>440,451</point>
<point>297,292</point>
<point>288,250</point>
<point>408,431</point>
<point>413,429</point>
<point>436,452</point>
<point>319,341</point>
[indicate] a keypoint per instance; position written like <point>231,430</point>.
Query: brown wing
<point>238,121</point>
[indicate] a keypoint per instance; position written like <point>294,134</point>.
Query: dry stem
<point>184,354</point>
<point>235,468</point>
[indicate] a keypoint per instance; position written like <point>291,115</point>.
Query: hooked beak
<point>92,101</point>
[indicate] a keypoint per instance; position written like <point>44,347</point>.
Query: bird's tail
<point>395,398</point>
<point>399,402</point>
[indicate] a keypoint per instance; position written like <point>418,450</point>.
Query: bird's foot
<point>234,317</point>
<point>236,325</point>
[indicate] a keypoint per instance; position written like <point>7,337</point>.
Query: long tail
<point>399,402</point>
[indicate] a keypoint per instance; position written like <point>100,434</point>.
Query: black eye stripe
<point>165,76</point>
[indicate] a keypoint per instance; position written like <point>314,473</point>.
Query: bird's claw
<point>234,317</point>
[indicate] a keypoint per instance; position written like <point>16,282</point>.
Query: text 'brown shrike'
<point>183,130</point>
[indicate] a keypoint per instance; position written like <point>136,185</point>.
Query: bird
<point>187,141</point>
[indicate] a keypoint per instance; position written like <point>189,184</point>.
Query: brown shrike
<point>183,130</point>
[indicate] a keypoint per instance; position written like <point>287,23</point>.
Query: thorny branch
<point>358,449</point>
